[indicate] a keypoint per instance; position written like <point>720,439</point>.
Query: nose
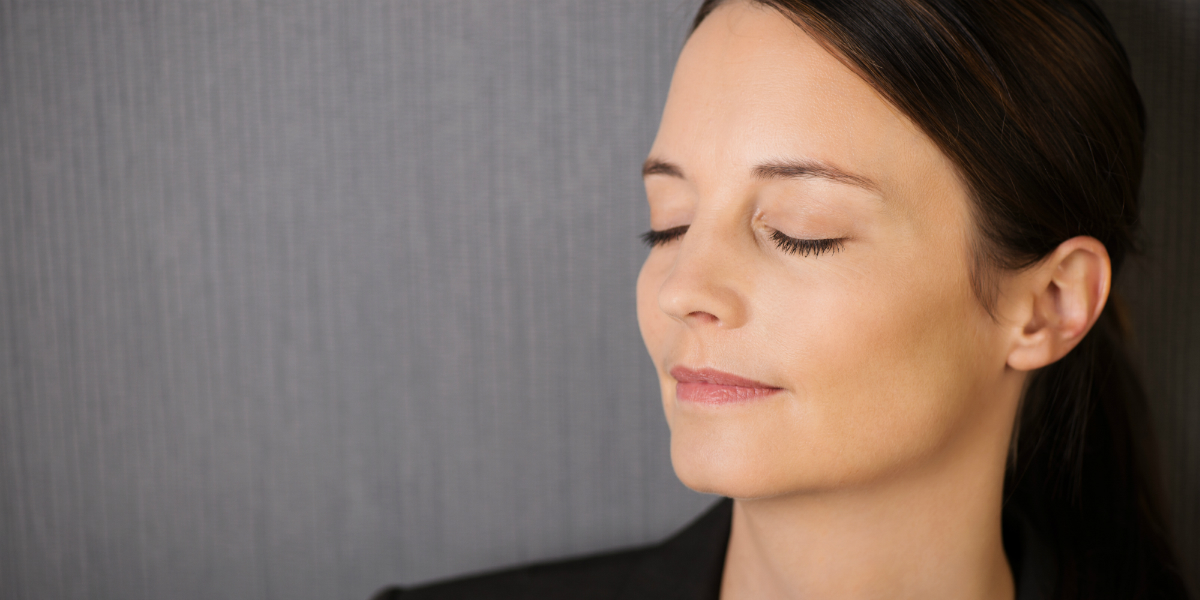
<point>708,283</point>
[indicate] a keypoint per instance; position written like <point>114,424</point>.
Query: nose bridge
<point>706,283</point>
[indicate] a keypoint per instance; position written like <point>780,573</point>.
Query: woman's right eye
<point>654,238</point>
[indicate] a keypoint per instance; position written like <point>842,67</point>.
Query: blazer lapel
<point>687,566</point>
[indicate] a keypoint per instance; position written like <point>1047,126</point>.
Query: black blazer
<point>687,566</point>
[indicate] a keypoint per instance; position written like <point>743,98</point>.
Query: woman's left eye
<point>654,238</point>
<point>814,248</point>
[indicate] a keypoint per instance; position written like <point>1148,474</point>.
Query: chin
<point>760,457</point>
<point>714,464</point>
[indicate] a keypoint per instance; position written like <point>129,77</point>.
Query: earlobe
<point>1061,298</point>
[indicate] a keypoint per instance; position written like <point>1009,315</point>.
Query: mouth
<point>710,386</point>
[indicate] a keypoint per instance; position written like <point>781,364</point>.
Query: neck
<point>932,533</point>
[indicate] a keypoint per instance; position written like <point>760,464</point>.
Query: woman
<point>883,240</point>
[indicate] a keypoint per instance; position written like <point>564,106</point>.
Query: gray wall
<point>300,298</point>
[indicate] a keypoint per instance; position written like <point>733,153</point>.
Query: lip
<point>710,386</point>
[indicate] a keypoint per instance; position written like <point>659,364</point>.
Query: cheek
<point>651,321</point>
<point>654,323</point>
<point>885,370</point>
<point>887,366</point>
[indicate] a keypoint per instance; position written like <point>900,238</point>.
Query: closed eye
<point>788,244</point>
<point>813,248</point>
<point>654,238</point>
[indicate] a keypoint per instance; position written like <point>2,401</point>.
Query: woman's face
<point>825,258</point>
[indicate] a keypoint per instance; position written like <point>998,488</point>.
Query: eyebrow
<point>812,169</point>
<point>654,166</point>
<point>788,169</point>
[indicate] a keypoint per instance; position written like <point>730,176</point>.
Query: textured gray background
<point>301,298</point>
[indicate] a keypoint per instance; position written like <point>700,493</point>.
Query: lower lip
<point>711,393</point>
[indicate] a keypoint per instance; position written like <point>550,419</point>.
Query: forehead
<point>751,86</point>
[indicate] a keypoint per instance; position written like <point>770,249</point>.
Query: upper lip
<point>715,377</point>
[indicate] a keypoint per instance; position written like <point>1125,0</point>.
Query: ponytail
<point>1084,469</point>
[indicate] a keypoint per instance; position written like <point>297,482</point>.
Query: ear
<point>1054,303</point>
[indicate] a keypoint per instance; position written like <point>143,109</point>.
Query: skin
<point>876,471</point>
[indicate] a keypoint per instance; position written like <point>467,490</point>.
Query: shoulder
<point>600,576</point>
<point>685,567</point>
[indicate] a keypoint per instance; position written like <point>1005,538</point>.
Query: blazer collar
<point>689,565</point>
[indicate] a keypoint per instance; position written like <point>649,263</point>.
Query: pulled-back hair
<point>1034,103</point>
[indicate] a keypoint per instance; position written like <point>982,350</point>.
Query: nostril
<point>703,317</point>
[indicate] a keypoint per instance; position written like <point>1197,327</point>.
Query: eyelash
<point>654,238</point>
<point>808,247</point>
<point>790,245</point>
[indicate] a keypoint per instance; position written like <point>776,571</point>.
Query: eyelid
<point>807,247</point>
<point>654,238</point>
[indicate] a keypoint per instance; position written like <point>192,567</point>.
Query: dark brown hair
<point>1034,103</point>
